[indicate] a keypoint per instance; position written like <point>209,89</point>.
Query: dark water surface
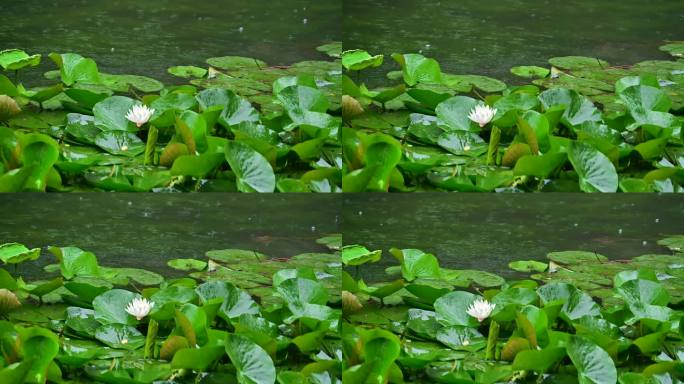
<point>147,230</point>
<point>489,37</point>
<point>487,231</point>
<point>146,37</point>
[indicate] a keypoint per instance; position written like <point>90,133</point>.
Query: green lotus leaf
<point>187,71</point>
<point>333,49</point>
<point>231,63</point>
<point>187,264</point>
<point>253,364</point>
<point>530,71</point>
<point>252,170</point>
<point>578,62</point>
<point>417,68</point>
<point>15,59</point>
<point>593,364</point>
<point>75,68</point>
<point>358,59</point>
<point>120,336</point>
<point>14,253</point>
<point>357,255</point>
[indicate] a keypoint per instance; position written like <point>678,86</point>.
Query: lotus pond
<point>575,124</point>
<point>234,316</point>
<point>487,37</point>
<point>486,232</point>
<point>235,124</point>
<point>121,227</point>
<point>576,318</point>
<point>147,37</point>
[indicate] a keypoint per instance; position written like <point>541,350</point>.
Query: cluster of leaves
<point>581,125</point>
<point>239,125</point>
<point>238,318</point>
<point>551,328</point>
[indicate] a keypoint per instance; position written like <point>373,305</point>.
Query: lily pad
<point>232,63</point>
<point>359,59</point>
<point>236,256</point>
<point>577,62</point>
<point>187,264</point>
<point>187,71</point>
<point>530,71</point>
<point>14,59</point>
<point>120,336</point>
<point>576,257</point>
<point>14,253</point>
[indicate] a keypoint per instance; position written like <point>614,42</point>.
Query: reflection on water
<point>146,37</point>
<point>489,37</point>
<point>146,230</point>
<point>487,231</point>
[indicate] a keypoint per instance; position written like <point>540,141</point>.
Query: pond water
<point>146,37</point>
<point>489,37</point>
<point>147,230</point>
<point>487,231</point>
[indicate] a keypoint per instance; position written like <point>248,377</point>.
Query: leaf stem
<point>152,135</point>
<point>152,329</point>
<point>490,353</point>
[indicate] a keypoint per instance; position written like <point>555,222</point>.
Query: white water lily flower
<point>139,308</point>
<point>482,114</point>
<point>480,309</point>
<point>140,114</point>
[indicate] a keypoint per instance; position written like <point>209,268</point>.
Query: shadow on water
<point>147,230</point>
<point>489,37</point>
<point>145,37</point>
<point>486,231</point>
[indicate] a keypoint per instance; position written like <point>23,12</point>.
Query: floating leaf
<point>120,336</point>
<point>357,255</point>
<point>577,62</point>
<point>110,307</point>
<point>253,364</point>
<point>596,172</point>
<point>231,63</point>
<point>14,253</point>
<point>187,71</point>
<point>358,59</point>
<point>187,264</point>
<point>253,172</point>
<point>15,59</point>
<point>530,71</point>
<point>594,365</point>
